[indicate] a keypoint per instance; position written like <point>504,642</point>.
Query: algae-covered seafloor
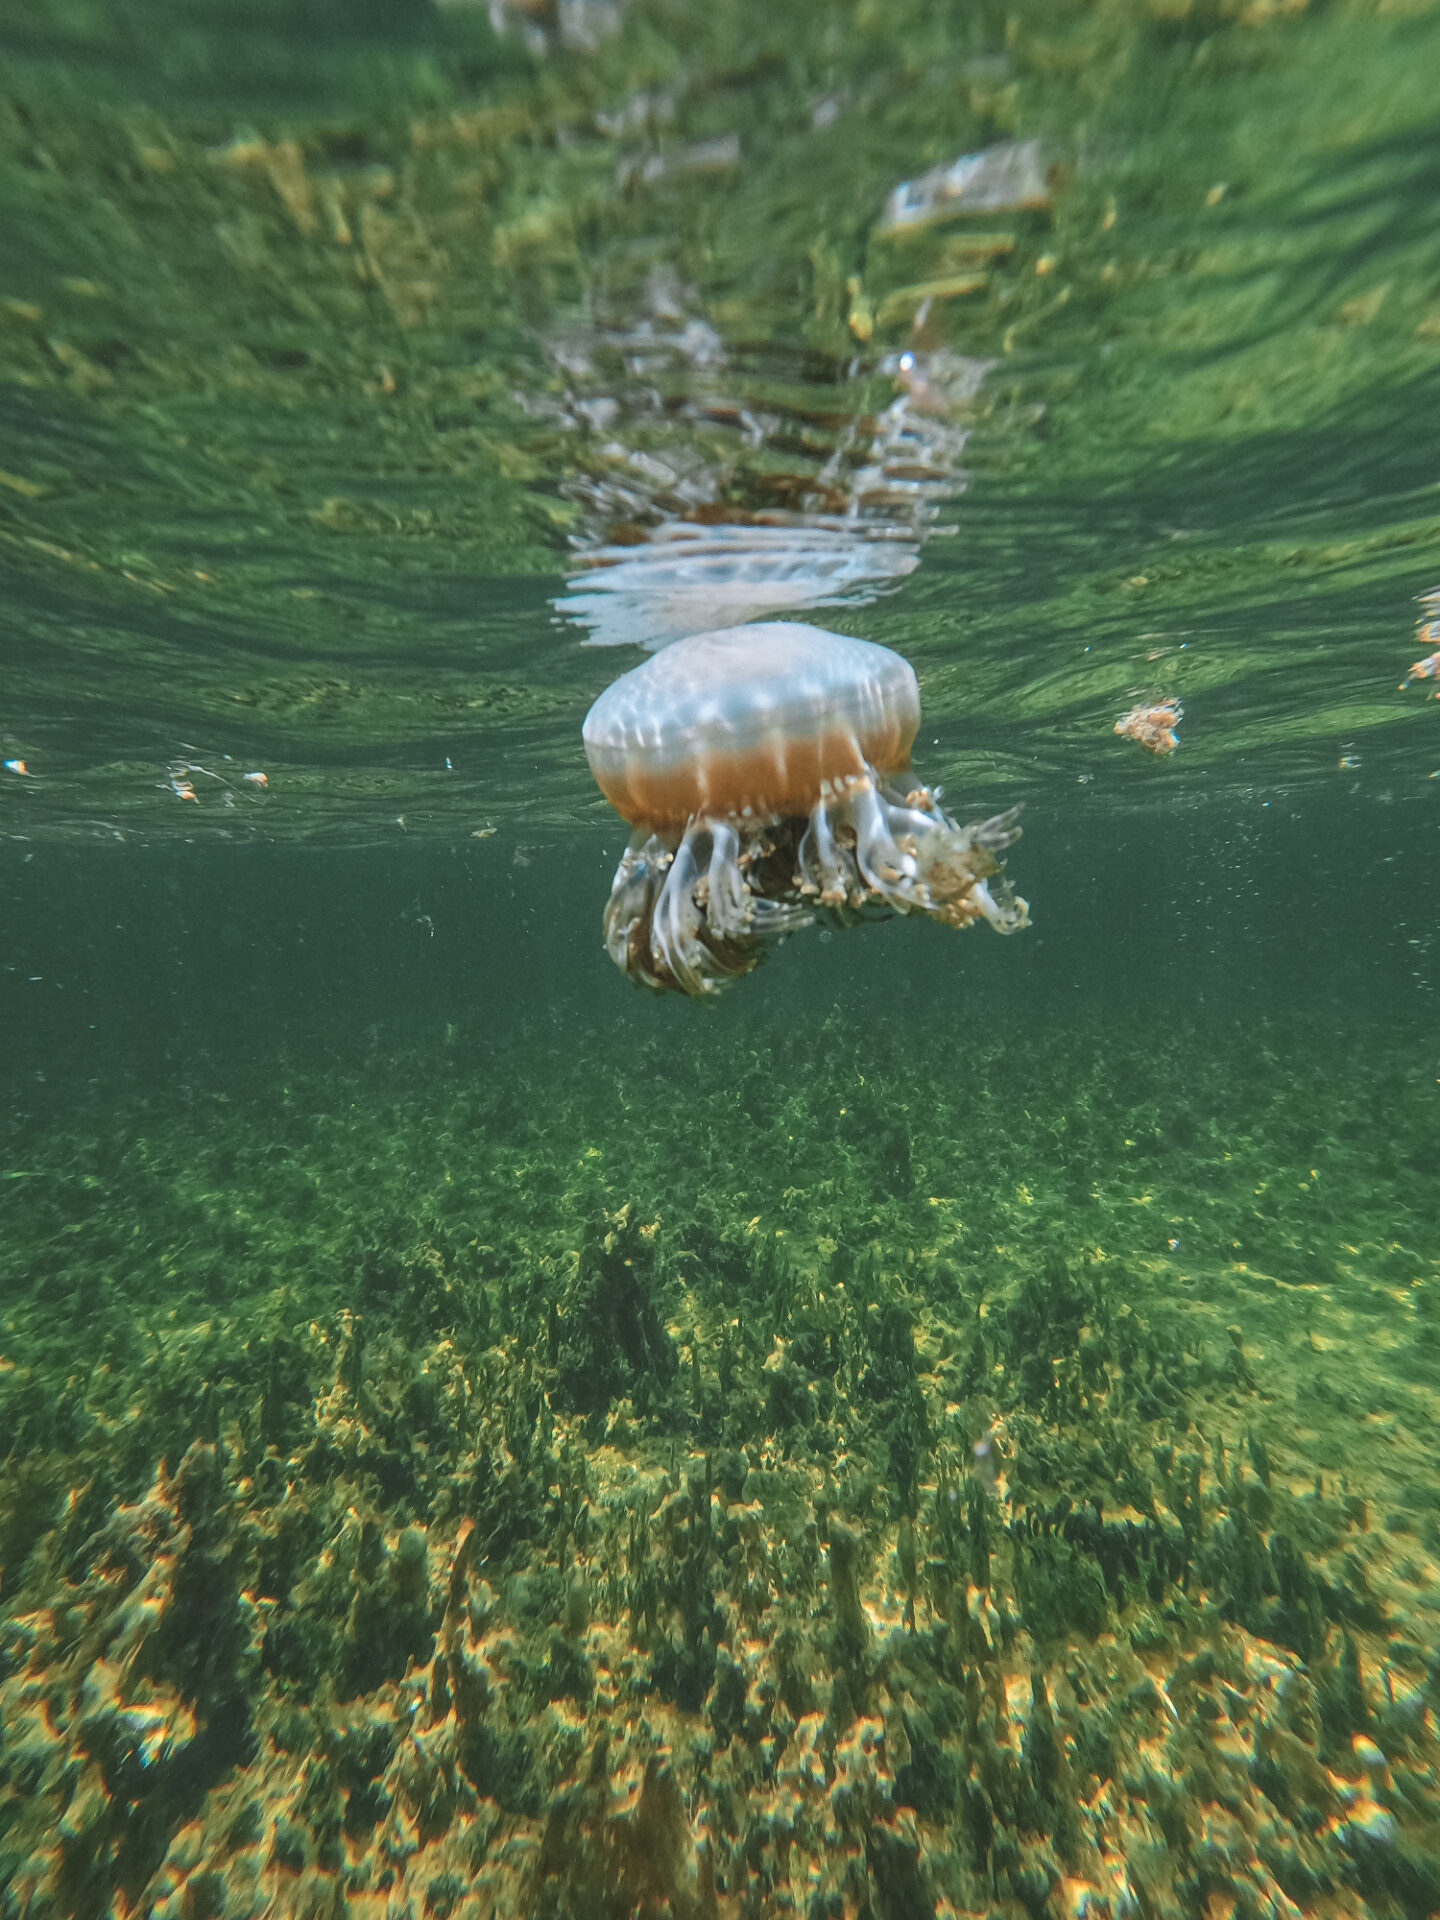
<point>839,1467</point>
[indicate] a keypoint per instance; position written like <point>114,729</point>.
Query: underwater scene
<point>580,1337</point>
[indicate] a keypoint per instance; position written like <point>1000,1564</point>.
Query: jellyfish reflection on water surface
<point>763,770</point>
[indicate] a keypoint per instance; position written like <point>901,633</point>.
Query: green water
<point>949,1428</point>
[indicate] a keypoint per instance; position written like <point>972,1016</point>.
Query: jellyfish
<point>763,770</point>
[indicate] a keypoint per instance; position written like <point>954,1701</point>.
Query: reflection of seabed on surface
<point>705,510</point>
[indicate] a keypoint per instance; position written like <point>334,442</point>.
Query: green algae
<point>398,1463</point>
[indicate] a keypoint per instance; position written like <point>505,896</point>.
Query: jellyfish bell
<point>763,771</point>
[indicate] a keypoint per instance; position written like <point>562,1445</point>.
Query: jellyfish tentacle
<point>1001,905</point>
<point>728,907</point>
<point>675,936</point>
<point>956,864</point>
<point>917,810</point>
<point>770,918</point>
<point>631,904</point>
<point>998,832</point>
<point>697,914</point>
<point>694,916</point>
<point>734,909</point>
<point>913,856</point>
<point>996,898</point>
<point>821,868</point>
<point>885,867</point>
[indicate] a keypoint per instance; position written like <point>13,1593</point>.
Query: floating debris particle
<point>1152,725</point>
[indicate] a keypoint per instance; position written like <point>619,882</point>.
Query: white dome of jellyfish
<point>764,772</point>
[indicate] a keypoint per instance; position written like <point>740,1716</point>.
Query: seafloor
<point>881,1474</point>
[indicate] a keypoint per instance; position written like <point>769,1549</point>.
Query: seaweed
<point>716,1561</point>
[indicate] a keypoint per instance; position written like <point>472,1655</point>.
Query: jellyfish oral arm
<point>688,916</point>
<point>697,913</point>
<point>910,855</point>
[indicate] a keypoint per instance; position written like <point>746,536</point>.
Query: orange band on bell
<point>778,776</point>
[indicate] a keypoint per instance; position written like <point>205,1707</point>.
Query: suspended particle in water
<point>1152,725</point>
